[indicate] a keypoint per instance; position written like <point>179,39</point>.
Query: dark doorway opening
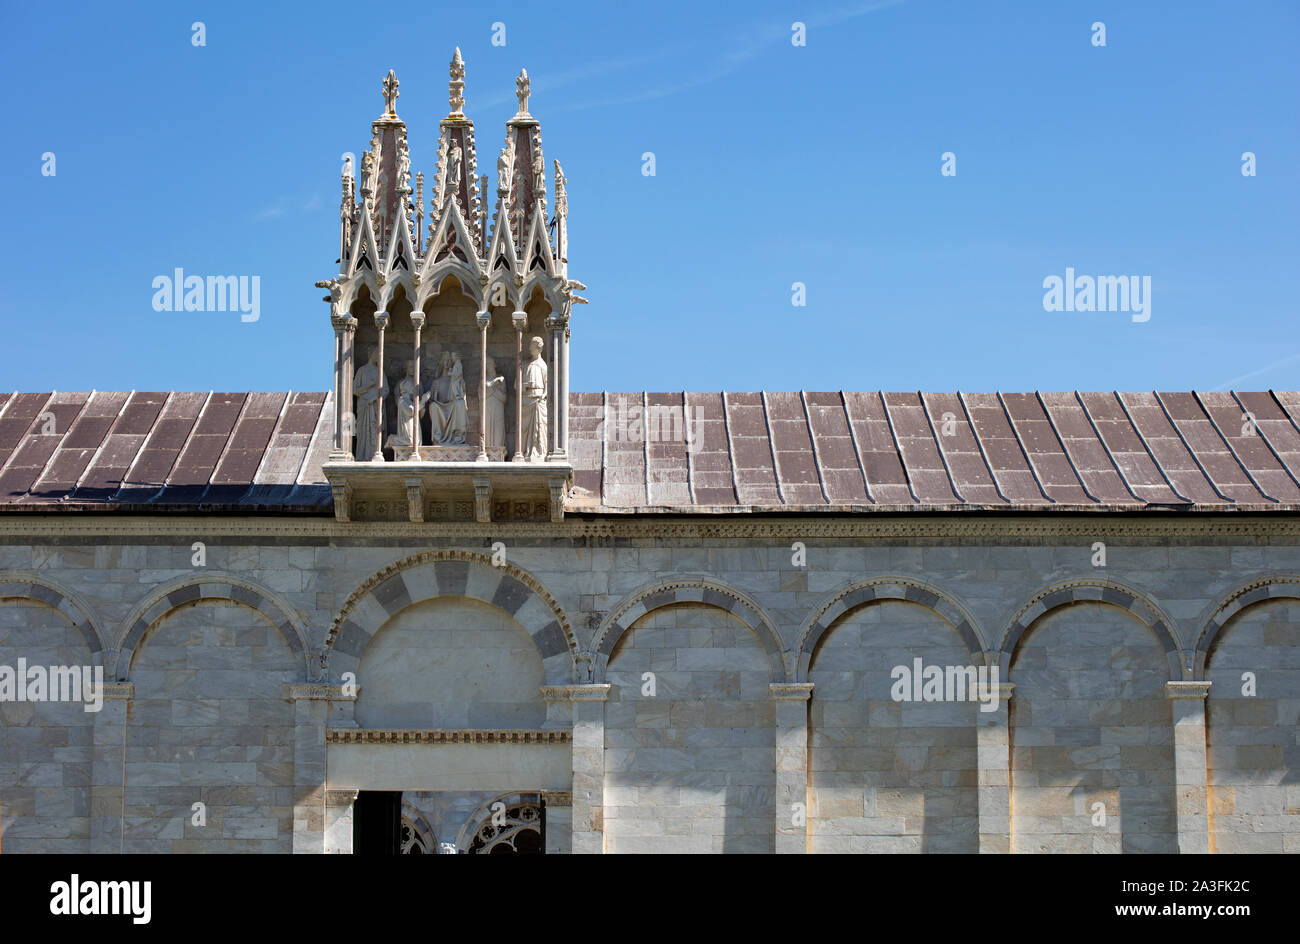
<point>377,823</point>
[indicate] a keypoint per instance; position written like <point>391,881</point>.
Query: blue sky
<point>775,164</point>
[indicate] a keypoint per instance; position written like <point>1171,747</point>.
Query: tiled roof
<point>694,452</point>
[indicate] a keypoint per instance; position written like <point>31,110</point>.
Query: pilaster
<point>588,804</point>
<point>993,750</point>
<point>1191,777</point>
<point>792,766</point>
<point>108,768</point>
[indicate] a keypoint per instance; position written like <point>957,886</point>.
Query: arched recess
<point>1095,590</point>
<point>684,590</point>
<point>25,586</point>
<point>418,836</point>
<point>859,593</point>
<point>432,574</point>
<point>1269,587</point>
<point>210,586</point>
<point>518,813</point>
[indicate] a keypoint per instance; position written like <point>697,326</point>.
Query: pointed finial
<point>522,91</point>
<point>390,94</point>
<point>457,84</point>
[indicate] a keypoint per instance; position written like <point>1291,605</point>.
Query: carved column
<point>349,366</point>
<point>108,770</point>
<point>559,821</point>
<point>993,753</point>
<point>588,719</point>
<point>1190,769</point>
<point>417,319</point>
<point>563,447</point>
<point>338,821</point>
<point>520,321</point>
<point>484,319</point>
<point>792,766</point>
<point>381,322</point>
<point>339,322</point>
<point>311,713</point>
<point>554,330</point>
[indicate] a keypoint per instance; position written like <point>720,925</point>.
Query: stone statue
<point>370,389</point>
<point>448,411</point>
<point>505,170</point>
<point>533,401</point>
<point>522,91</point>
<point>410,404</point>
<point>539,170</point>
<point>403,168</point>
<point>390,94</point>
<point>453,170</point>
<point>495,408</point>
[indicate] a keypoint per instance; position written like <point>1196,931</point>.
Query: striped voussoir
<point>859,593</point>
<point>1271,587</point>
<point>687,590</point>
<point>191,590</point>
<point>434,574</point>
<point>31,587</point>
<point>1094,590</point>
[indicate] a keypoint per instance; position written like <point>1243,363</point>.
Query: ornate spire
<point>522,91</point>
<point>457,85</point>
<point>390,94</point>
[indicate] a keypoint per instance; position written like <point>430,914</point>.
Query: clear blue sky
<point>775,164</point>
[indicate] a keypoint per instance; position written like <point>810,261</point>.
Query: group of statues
<point>446,405</point>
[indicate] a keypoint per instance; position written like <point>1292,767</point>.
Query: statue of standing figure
<point>495,408</point>
<point>453,170</point>
<point>370,389</point>
<point>448,411</point>
<point>410,404</point>
<point>533,401</point>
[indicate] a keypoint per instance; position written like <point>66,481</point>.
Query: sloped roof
<point>694,452</point>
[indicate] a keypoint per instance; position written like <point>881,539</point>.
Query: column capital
<point>417,319</point>
<point>123,691</point>
<point>557,797</point>
<point>791,691</point>
<point>555,323</point>
<point>483,318</point>
<point>381,319</point>
<point>1187,689</point>
<point>520,320</point>
<point>315,691</point>
<point>586,692</point>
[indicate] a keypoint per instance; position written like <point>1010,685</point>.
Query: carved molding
<point>98,520</point>
<point>445,736</point>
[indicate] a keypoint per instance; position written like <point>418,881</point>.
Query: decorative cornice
<point>70,523</point>
<point>448,736</point>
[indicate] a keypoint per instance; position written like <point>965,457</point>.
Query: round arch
<point>1095,590</point>
<point>684,590</point>
<point>1268,587</point>
<point>25,586</point>
<point>209,586</point>
<point>858,593</point>
<point>432,574</point>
